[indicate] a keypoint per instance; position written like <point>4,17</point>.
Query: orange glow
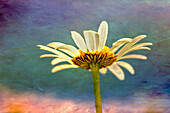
<point>11,102</point>
<point>15,108</point>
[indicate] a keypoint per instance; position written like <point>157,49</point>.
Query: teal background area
<point>25,24</point>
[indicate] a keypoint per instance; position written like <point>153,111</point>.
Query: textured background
<point>26,82</point>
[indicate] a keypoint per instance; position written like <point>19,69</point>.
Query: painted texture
<point>24,24</point>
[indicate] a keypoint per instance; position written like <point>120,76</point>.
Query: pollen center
<point>103,58</point>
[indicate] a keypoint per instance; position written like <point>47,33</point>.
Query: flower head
<point>93,50</point>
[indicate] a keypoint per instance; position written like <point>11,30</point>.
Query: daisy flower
<point>93,50</point>
<point>93,55</point>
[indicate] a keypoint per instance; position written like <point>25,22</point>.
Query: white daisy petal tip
<point>39,45</point>
<point>104,22</point>
<point>123,78</point>
<point>143,35</point>
<point>143,57</point>
<point>148,48</point>
<point>85,31</point>
<point>149,43</point>
<point>91,31</point>
<point>72,32</point>
<point>48,55</point>
<point>49,44</point>
<point>63,66</point>
<point>103,33</point>
<point>133,73</point>
<point>53,71</point>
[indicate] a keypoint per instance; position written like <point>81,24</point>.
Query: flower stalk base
<point>96,86</point>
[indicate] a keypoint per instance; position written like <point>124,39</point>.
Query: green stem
<point>96,86</point>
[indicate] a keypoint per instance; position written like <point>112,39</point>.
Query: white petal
<point>89,40</point>
<point>96,41</point>
<point>71,50</point>
<point>116,45</point>
<point>78,39</point>
<point>103,32</point>
<point>60,54</point>
<point>130,44</point>
<point>136,48</point>
<point>133,56</point>
<point>143,44</point>
<point>139,46</point>
<point>58,60</point>
<point>137,39</point>
<point>48,55</point>
<point>63,66</point>
<point>68,52</point>
<point>147,48</point>
<point>117,71</point>
<point>55,44</point>
<point>103,70</point>
<point>127,66</point>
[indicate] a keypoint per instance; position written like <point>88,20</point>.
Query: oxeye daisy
<point>93,55</point>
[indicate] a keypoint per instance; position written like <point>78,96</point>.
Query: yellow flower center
<point>103,58</point>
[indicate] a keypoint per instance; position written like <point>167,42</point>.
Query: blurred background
<point>27,84</point>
